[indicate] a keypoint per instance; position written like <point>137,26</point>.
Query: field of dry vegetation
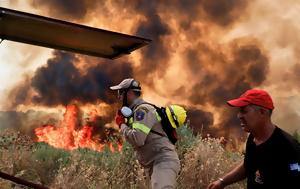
<point>202,160</point>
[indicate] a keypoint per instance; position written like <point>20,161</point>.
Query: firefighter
<point>144,132</point>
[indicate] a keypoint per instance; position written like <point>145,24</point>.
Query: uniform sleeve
<point>143,120</point>
<point>294,166</point>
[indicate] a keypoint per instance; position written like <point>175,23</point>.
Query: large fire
<point>68,135</point>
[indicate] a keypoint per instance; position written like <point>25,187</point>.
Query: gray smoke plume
<point>67,9</point>
<point>219,72</point>
<point>200,121</point>
<point>59,82</point>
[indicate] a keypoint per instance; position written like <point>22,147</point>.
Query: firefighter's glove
<point>120,119</point>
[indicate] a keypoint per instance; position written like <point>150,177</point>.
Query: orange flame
<point>68,137</point>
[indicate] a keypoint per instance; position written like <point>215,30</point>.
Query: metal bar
<point>21,181</point>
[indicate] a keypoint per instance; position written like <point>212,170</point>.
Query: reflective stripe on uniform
<point>141,127</point>
<point>130,121</point>
<point>157,116</point>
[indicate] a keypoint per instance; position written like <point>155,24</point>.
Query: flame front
<point>68,137</point>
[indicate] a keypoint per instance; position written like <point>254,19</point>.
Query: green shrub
<point>186,139</point>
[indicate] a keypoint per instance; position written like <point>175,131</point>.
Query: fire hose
<point>21,181</point>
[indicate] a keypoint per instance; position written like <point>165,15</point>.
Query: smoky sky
<point>60,82</point>
<point>223,12</point>
<point>25,121</point>
<point>70,9</point>
<point>247,69</point>
<point>156,56</point>
<point>218,72</point>
<point>199,120</point>
<point>154,28</point>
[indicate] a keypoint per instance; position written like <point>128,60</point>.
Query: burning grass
<point>70,134</point>
<point>203,160</point>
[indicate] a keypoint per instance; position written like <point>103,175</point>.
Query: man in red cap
<point>272,158</point>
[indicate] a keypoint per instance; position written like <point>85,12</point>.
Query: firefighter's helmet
<point>176,115</point>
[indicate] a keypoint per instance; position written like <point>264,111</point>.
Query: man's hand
<point>235,175</point>
<point>216,185</point>
<point>119,118</point>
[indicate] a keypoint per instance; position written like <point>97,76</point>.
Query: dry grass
<point>203,160</point>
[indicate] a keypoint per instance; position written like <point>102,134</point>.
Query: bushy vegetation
<point>202,160</point>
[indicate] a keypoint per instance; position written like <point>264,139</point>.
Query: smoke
<point>223,12</point>
<point>60,82</point>
<point>67,9</point>
<point>187,58</point>
<point>246,68</point>
<point>156,57</point>
<point>20,93</point>
<point>229,77</point>
<point>154,28</point>
<point>200,121</point>
<point>25,121</point>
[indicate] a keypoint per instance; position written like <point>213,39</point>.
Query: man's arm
<point>135,137</point>
<point>143,121</point>
<point>235,175</point>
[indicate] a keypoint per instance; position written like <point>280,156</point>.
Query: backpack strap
<point>168,129</point>
<point>145,103</point>
<point>152,131</point>
<point>155,132</point>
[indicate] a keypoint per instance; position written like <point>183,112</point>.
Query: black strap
<point>155,132</point>
<point>152,131</point>
<point>125,103</point>
<point>134,107</point>
<point>125,100</point>
<point>147,103</point>
<point>174,116</point>
<point>134,87</point>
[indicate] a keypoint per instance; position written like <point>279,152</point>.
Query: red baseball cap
<point>253,96</point>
